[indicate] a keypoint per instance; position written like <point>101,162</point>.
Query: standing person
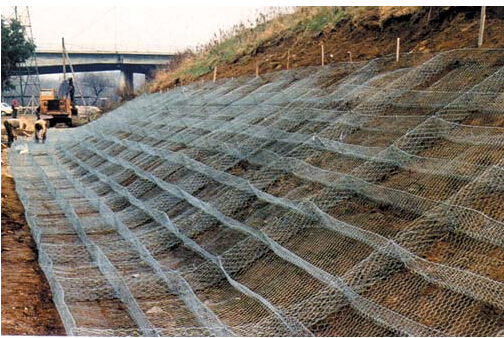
<point>37,112</point>
<point>71,90</point>
<point>14,109</point>
<point>40,131</point>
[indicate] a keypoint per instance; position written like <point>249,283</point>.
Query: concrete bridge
<point>51,62</point>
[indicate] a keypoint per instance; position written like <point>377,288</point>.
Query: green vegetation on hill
<point>241,41</point>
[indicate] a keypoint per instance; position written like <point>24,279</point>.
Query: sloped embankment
<point>367,32</point>
<point>353,199</point>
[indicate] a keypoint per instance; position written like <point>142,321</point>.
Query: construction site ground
<point>27,306</point>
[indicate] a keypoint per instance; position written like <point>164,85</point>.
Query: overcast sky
<point>154,29</point>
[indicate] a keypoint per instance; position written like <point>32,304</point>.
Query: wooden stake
<point>350,55</point>
<point>257,70</point>
<point>288,58</point>
<point>215,74</point>
<point>398,48</point>
<point>428,16</point>
<point>482,26</point>
<point>322,47</point>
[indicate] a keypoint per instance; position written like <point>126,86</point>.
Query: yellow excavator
<point>56,109</point>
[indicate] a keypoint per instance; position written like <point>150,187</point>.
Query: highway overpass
<point>51,62</point>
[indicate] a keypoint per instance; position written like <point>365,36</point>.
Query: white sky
<point>146,29</point>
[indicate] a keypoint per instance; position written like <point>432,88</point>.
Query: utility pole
<point>482,26</point>
<point>64,57</point>
<point>29,84</point>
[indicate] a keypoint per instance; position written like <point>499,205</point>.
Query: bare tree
<point>96,85</point>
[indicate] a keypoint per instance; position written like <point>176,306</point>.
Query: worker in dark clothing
<point>37,112</point>
<point>71,90</point>
<point>10,132</point>
<point>10,126</point>
<point>14,109</point>
<point>40,131</point>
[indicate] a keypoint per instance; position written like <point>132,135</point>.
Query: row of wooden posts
<point>398,46</point>
<point>322,59</point>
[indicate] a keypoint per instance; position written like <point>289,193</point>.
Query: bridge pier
<point>126,80</point>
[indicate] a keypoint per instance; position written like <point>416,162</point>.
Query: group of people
<point>14,123</point>
<point>40,125</point>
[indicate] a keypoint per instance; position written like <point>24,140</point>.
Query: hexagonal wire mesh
<point>359,199</point>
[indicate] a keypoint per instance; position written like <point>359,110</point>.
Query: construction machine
<point>60,107</point>
<point>56,109</point>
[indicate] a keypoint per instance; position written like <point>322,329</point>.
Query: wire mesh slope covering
<point>362,199</point>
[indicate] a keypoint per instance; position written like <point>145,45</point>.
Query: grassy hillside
<point>366,32</point>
